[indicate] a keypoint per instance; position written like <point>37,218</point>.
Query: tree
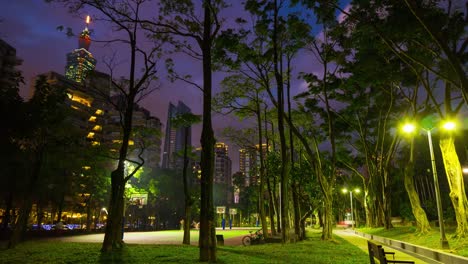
<point>185,121</point>
<point>180,22</point>
<point>125,17</point>
<point>46,127</point>
<point>243,96</point>
<point>434,47</point>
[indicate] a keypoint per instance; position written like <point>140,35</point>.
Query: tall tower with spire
<point>80,61</point>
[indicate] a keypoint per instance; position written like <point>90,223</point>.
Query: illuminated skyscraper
<point>80,61</point>
<point>175,137</point>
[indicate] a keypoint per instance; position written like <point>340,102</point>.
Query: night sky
<point>31,27</point>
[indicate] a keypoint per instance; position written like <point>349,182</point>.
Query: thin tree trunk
<point>261,186</point>
<point>7,216</point>
<point>284,176</point>
<point>207,238</point>
<point>188,199</point>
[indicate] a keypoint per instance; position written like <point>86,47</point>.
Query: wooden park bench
<point>377,251</point>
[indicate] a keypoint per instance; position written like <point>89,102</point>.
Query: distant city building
<point>149,141</point>
<point>249,163</point>
<point>8,62</point>
<point>223,165</point>
<point>222,178</point>
<point>80,62</point>
<point>175,137</point>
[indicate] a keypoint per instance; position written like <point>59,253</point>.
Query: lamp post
<point>409,128</point>
<point>351,201</point>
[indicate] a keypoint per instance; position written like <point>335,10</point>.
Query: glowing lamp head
<point>408,128</point>
<point>344,190</point>
<point>87,20</point>
<point>465,170</point>
<point>449,125</point>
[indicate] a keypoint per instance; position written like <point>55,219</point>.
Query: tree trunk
<point>21,224</point>
<point>327,230</point>
<point>188,199</point>
<point>422,223</point>
<point>284,176</point>
<point>271,205</point>
<point>456,184</point>
<point>297,212</point>
<point>88,214</point>
<point>207,238</point>
<point>113,238</point>
<point>261,186</point>
<point>7,215</point>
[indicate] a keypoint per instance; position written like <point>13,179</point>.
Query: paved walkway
<point>361,243</point>
<point>161,238</point>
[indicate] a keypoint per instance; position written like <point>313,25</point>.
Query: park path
<point>155,238</point>
<point>361,243</point>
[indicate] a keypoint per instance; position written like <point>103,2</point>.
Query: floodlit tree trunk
<point>456,184</point>
<point>422,223</point>
<point>207,238</point>
<point>327,230</point>
<point>113,238</point>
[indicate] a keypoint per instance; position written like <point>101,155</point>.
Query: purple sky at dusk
<point>30,26</point>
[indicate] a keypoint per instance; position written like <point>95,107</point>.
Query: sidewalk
<point>361,243</point>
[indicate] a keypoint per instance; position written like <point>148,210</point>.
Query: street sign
<point>220,209</point>
<point>233,211</point>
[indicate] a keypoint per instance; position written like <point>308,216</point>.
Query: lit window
<point>86,167</point>
<point>92,119</point>
<point>97,128</point>
<point>99,112</point>
<point>95,143</point>
<point>90,135</point>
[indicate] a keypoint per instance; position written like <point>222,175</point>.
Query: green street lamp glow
<point>356,190</point>
<point>448,126</point>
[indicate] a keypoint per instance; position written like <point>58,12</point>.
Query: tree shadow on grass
<point>260,255</point>
<point>117,256</point>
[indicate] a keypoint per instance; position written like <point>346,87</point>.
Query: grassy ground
<point>431,240</point>
<point>313,250</point>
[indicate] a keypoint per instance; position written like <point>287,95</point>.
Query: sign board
<point>233,211</point>
<point>139,199</point>
<point>220,209</point>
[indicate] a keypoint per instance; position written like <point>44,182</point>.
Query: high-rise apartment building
<point>249,163</point>
<point>175,137</point>
<point>80,62</point>
<point>223,165</point>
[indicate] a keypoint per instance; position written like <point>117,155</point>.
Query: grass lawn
<point>313,250</point>
<point>431,240</point>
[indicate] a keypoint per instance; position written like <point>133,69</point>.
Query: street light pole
<point>443,240</point>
